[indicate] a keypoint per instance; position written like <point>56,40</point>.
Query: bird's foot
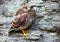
<point>25,33</point>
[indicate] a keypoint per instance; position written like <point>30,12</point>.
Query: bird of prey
<point>23,19</point>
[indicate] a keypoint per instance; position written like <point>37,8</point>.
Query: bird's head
<point>27,7</point>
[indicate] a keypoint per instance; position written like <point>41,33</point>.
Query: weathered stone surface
<point>48,18</point>
<point>35,34</point>
<point>48,23</point>
<point>1,2</point>
<point>10,9</point>
<point>1,9</point>
<point>51,5</point>
<point>50,37</point>
<point>33,2</point>
<point>5,19</point>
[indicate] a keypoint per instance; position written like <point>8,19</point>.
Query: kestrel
<point>23,19</point>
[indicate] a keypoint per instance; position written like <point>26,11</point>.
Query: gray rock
<point>52,5</point>
<point>50,37</point>
<point>5,20</point>
<point>33,2</point>
<point>39,14</point>
<point>1,2</point>
<point>49,21</point>
<point>40,11</point>
<point>48,18</point>
<point>56,17</point>
<point>55,0</point>
<point>12,7</point>
<point>1,9</point>
<point>46,25</point>
<point>34,35</point>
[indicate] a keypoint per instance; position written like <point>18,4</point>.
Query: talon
<point>25,33</point>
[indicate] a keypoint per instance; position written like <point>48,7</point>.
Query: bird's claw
<point>25,33</point>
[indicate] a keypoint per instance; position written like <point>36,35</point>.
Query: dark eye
<point>31,7</point>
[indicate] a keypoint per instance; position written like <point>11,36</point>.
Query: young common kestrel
<point>23,19</point>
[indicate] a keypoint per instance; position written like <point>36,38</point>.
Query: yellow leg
<point>25,33</point>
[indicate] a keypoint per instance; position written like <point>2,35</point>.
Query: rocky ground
<point>45,28</point>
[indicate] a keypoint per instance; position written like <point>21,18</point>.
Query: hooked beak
<point>28,8</point>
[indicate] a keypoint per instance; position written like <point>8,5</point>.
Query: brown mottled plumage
<point>24,18</point>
